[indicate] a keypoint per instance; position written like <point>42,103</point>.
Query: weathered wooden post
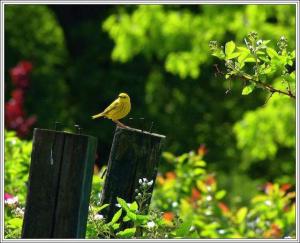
<point>134,155</point>
<point>60,181</point>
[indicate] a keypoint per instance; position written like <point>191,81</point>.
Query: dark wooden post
<point>134,155</point>
<point>60,181</point>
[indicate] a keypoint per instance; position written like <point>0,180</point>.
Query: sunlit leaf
<point>248,89</point>
<point>229,48</point>
<point>271,52</point>
<point>220,194</point>
<point>127,233</point>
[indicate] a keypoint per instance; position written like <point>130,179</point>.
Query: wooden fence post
<point>134,155</point>
<point>60,180</point>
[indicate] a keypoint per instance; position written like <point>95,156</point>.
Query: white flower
<point>98,217</point>
<point>150,224</point>
<point>19,211</point>
<point>268,202</point>
<point>11,201</point>
<point>145,180</point>
<point>174,204</point>
<point>140,181</point>
<point>150,183</point>
<point>209,198</point>
<point>259,42</point>
<point>118,205</point>
<point>208,212</point>
<point>221,231</point>
<point>192,228</point>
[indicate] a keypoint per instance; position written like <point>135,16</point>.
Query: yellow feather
<point>118,109</point>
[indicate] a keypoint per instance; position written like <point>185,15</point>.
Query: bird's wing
<point>111,107</point>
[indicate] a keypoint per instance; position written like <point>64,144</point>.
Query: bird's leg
<point>120,124</point>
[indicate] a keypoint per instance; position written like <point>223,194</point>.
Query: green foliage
<point>33,33</point>
<point>270,214</point>
<point>168,72</point>
<point>180,37</point>
<point>16,165</point>
<point>267,63</point>
<point>277,115</point>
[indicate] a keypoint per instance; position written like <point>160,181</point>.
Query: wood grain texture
<point>59,190</point>
<point>134,155</point>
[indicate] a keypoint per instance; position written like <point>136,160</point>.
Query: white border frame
<point>133,2</point>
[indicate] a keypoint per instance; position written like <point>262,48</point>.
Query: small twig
<point>150,130</point>
<point>271,94</point>
<point>218,70</point>
<point>266,86</point>
<point>229,87</point>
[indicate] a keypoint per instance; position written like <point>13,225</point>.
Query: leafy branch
<point>257,64</point>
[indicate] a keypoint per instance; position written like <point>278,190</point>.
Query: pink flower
<point>10,199</point>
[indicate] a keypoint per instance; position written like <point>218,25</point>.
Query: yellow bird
<point>117,110</point>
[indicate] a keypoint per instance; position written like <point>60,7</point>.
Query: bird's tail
<point>97,116</point>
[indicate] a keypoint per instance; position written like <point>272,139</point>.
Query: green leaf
<point>200,163</point>
<point>220,54</point>
<point>233,55</point>
<point>116,226</point>
<point>15,223</point>
<point>140,219</point>
<point>293,54</point>
<point>123,204</point>
<point>199,171</point>
<point>103,206</point>
<point>241,214</point>
<point>248,89</point>
<point>126,218</point>
<point>127,233</point>
<point>250,59</point>
<point>243,49</point>
<point>242,57</point>
<point>116,217</point>
<point>184,228</point>
<point>133,206</point>
<point>271,52</point>
<point>229,48</point>
<point>220,194</point>
<point>265,42</point>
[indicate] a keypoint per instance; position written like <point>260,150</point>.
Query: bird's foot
<point>121,124</point>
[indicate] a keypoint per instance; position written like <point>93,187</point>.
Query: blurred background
<point>67,62</point>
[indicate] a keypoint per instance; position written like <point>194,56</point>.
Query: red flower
<point>273,232</point>
<point>195,194</point>
<point>168,216</point>
<point>171,175</point>
<point>20,74</point>
<point>26,65</point>
<point>224,208</point>
<point>202,150</point>
<point>268,188</point>
<point>13,110</point>
<point>285,187</point>
<point>18,95</point>
<point>14,114</point>
<point>24,128</point>
<point>210,180</point>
